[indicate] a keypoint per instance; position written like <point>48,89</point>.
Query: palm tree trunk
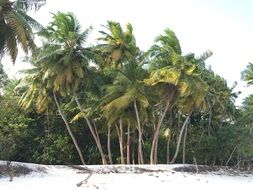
<point>109,144</point>
<point>231,155</point>
<point>179,139</point>
<point>120,138</point>
<point>98,142</point>
<point>128,143</point>
<point>140,153</point>
<point>95,136</point>
<point>153,152</point>
<point>210,118</point>
<point>169,135</point>
<point>48,122</point>
<point>184,141</point>
<point>168,147</point>
<point>133,147</point>
<point>69,129</point>
<point>151,156</point>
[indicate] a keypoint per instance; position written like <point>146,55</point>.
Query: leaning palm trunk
<point>119,130</point>
<point>184,142</point>
<point>69,129</point>
<point>109,144</point>
<point>140,153</point>
<point>94,134</point>
<point>231,155</point>
<point>180,138</point>
<point>153,152</point>
<point>169,137</point>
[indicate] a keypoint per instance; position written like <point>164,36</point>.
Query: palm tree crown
<point>63,56</point>
<point>16,27</point>
<point>117,45</point>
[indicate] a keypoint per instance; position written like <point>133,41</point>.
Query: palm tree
<point>173,75</point>
<point>127,92</point>
<point>194,100</point>
<point>16,26</point>
<point>117,49</point>
<point>165,54</point>
<point>117,45</point>
<point>41,93</point>
<point>208,93</point>
<point>66,62</point>
<point>63,46</point>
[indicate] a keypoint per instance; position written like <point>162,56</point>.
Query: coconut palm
<point>63,46</point>
<point>127,92</point>
<point>173,75</point>
<point>16,27</point>
<point>117,45</point>
<point>66,60</point>
<point>220,98</point>
<point>117,48</point>
<point>165,53</point>
<point>41,93</point>
<point>193,100</point>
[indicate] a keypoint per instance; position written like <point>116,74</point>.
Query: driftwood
<point>85,181</point>
<point>84,170</point>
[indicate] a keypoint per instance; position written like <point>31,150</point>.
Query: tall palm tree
<point>127,92</point>
<point>117,48</point>
<point>16,27</point>
<point>165,53</point>
<point>41,93</point>
<point>173,75</point>
<point>66,61</point>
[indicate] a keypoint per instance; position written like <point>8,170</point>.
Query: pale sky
<point>222,26</point>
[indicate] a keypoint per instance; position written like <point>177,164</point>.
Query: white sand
<point>66,178</point>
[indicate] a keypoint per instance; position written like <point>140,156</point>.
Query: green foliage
<point>217,148</point>
<point>16,27</point>
<point>63,59</point>
<point>18,128</point>
<point>247,74</point>
<point>137,95</point>
<point>55,149</point>
<point>117,45</point>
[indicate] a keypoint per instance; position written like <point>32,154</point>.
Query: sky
<point>222,26</point>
